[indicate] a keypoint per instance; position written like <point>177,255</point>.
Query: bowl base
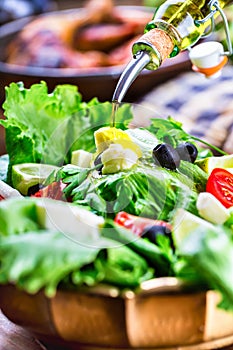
<point>225,342</point>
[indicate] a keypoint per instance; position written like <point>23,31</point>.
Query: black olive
<point>33,189</point>
<point>152,232</point>
<point>98,161</point>
<point>166,156</point>
<point>187,151</point>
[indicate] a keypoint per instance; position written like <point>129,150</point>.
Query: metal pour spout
<point>130,73</point>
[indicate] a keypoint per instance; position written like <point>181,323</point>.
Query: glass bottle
<point>176,25</point>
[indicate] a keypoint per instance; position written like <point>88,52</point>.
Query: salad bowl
<point>116,288</point>
<point>163,315</point>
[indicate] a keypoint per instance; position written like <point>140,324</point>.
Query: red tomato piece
<point>1,198</point>
<point>220,184</point>
<point>137,224</point>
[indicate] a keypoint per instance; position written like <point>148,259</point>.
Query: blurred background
<point>13,9</point>
<point>78,44</point>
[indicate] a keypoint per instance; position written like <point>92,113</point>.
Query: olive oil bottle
<point>176,25</point>
<point>184,21</point>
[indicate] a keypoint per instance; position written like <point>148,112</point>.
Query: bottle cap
<point>208,58</point>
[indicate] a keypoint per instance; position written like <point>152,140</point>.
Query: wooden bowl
<point>162,315</point>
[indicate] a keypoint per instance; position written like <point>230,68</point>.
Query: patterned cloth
<point>204,106</point>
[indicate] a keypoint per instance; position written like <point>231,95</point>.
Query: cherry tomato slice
<point>137,224</point>
<point>220,184</point>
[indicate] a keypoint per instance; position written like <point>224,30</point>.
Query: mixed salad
<point>86,203</point>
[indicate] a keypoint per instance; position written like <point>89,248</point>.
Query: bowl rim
<point>154,286</point>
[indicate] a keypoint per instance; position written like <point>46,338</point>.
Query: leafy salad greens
<point>34,258</point>
<point>44,127</point>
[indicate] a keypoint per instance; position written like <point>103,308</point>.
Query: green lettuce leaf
<point>83,125</point>
<point>34,258</point>
<point>160,257</point>
<point>44,260</point>
<point>145,191</point>
<point>45,127</point>
<point>17,216</point>
<point>207,258</point>
<point>35,118</point>
<point>170,131</point>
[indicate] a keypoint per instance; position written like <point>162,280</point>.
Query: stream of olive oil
<point>115,106</point>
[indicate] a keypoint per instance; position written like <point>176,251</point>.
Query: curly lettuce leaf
<point>34,117</point>
<point>43,127</point>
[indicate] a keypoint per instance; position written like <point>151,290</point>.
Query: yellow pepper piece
<point>106,136</point>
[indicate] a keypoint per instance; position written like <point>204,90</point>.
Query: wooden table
<point>13,337</point>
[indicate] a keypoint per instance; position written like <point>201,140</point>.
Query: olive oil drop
<point>115,106</point>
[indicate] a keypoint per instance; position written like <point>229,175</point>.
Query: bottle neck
<point>179,18</point>
<point>158,43</point>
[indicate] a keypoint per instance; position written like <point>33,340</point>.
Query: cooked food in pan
<point>98,35</point>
